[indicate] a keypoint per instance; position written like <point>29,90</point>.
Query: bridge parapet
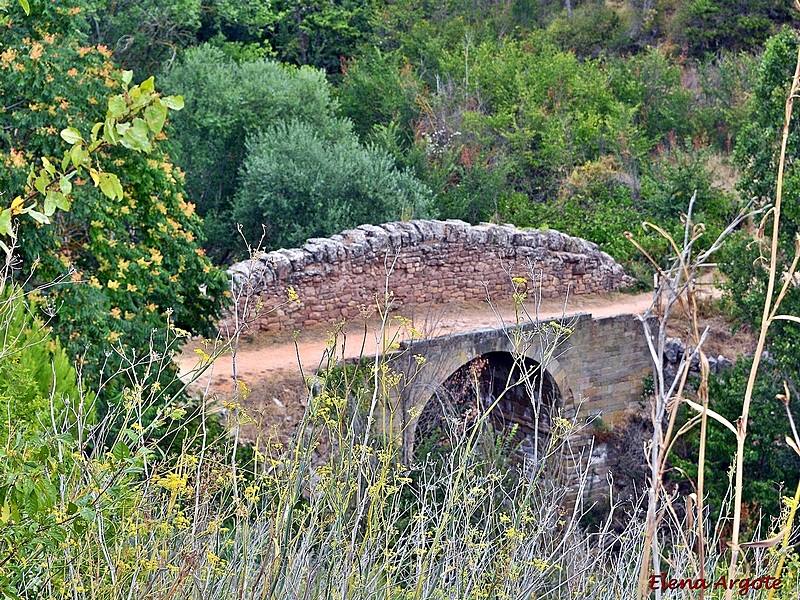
<point>426,261</point>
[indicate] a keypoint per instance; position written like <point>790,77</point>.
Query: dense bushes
<point>258,138</point>
<point>301,184</point>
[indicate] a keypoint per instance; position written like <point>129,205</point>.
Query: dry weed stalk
<point>770,314</point>
<point>676,292</point>
<point>677,288</point>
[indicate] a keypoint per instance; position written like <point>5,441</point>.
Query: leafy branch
<point>133,118</point>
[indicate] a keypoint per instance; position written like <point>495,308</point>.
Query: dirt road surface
<point>259,355</point>
<point>270,364</point>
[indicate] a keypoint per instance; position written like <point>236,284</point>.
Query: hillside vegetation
<point>147,144</point>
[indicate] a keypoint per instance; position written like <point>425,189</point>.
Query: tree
<point>226,102</point>
<point>148,35</point>
<point>709,26</point>
<point>301,184</point>
<point>319,33</point>
<point>756,154</point>
<point>129,243</point>
<point>145,35</point>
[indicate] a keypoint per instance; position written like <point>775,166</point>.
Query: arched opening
<point>520,396</point>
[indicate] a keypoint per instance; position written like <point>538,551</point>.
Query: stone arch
<point>517,391</point>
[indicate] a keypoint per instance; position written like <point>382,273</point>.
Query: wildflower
<point>173,482</point>
<point>36,51</point>
<point>251,494</point>
<point>180,522</point>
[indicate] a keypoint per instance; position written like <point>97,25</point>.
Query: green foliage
<point>319,33</point>
<point>598,213</point>
<point>593,29</point>
<point>650,83</point>
<point>129,243</point>
<point>770,466</point>
<point>30,528</point>
<point>33,369</point>
<point>725,84</point>
<point>377,90</point>
<point>226,102</point>
<point>708,26</point>
<point>669,182</point>
<point>144,34</point>
<point>300,184</point>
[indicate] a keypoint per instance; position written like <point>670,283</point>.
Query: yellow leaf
<point>16,205</point>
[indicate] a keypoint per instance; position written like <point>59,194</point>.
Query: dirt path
<point>268,364</point>
<point>260,356</point>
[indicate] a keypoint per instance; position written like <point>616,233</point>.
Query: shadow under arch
<point>518,393</point>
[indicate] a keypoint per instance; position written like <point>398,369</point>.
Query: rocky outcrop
<point>675,351</point>
<point>424,261</point>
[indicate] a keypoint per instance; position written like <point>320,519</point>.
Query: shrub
<point>593,29</point>
<point>299,184</point>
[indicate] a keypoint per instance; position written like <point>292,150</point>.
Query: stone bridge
<point>579,363</point>
<point>599,367</point>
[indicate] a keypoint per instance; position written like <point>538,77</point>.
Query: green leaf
<point>42,181</point>
<point>155,115</point>
<point>66,185</point>
<point>148,85</point>
<point>136,137</point>
<point>5,223</point>
<point>110,133</point>
<point>121,451</point>
<point>87,514</point>
<point>53,201</point>
<point>110,186</point>
<point>116,107</point>
<point>25,6</point>
<point>71,135</point>
<point>173,102</point>
<point>127,76</point>
<point>62,202</point>
<point>48,166</point>
<point>79,527</point>
<point>95,131</point>
<point>72,508</point>
<point>38,217</point>
<point>49,204</point>
<point>78,155</point>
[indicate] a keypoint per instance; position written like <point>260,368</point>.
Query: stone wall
<point>425,261</point>
<point>599,371</point>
